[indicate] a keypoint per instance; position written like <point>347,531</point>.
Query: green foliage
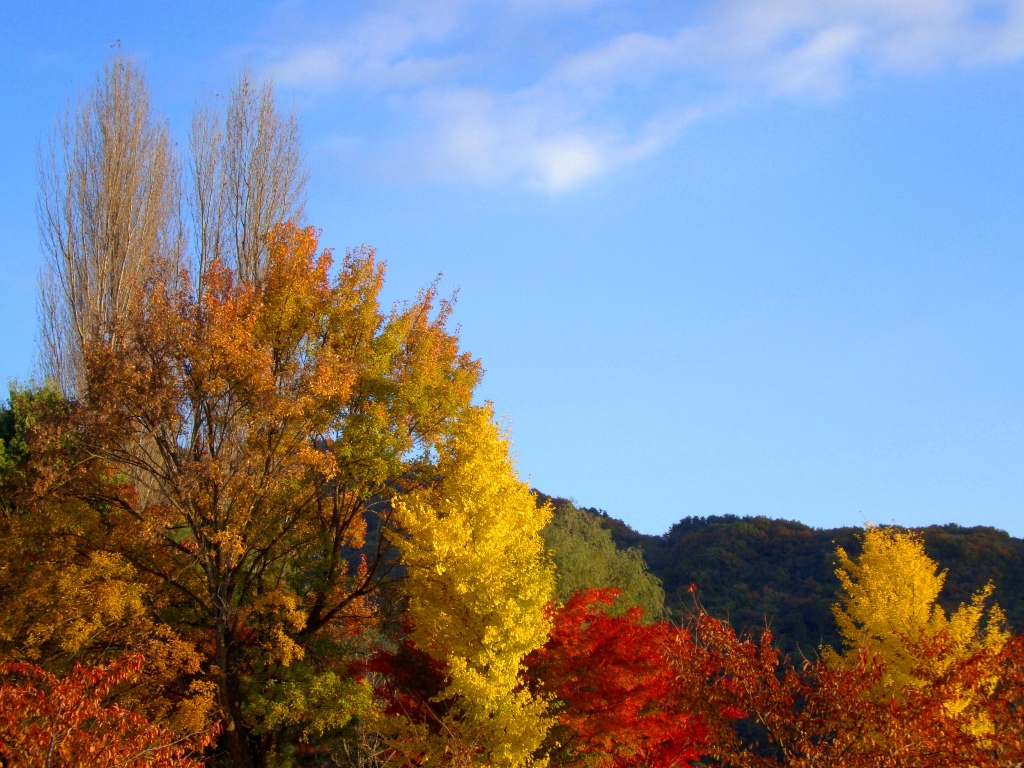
<point>17,417</point>
<point>585,557</point>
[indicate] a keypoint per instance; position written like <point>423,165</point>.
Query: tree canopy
<point>585,557</point>
<point>888,606</point>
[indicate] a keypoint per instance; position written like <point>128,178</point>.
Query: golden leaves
<point>888,607</point>
<point>477,582</point>
<point>280,616</point>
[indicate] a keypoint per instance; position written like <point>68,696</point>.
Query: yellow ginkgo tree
<point>888,607</point>
<point>477,583</point>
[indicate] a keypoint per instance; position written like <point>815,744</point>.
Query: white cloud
<point>374,49</point>
<point>563,108</point>
<point>818,65</point>
<point>310,66</point>
<point>477,136</point>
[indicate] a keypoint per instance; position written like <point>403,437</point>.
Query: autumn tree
<point>888,605</point>
<point>477,582</point>
<point>614,696</point>
<point>58,722</point>
<point>250,439</point>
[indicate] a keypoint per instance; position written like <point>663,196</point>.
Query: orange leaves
<point>215,344</point>
<point>1004,704</point>
<point>297,298</point>
<point>63,722</point>
<point>235,385</point>
<point>263,418</point>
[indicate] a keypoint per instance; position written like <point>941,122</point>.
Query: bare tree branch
<point>247,173</point>
<point>108,212</point>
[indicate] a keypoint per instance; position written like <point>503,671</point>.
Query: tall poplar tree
<point>116,201</point>
<point>108,211</point>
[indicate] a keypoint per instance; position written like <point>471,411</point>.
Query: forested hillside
<point>757,571</point>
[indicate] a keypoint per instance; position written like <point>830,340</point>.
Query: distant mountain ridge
<point>754,570</point>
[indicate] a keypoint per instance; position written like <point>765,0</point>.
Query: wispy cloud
<point>534,137</point>
<point>554,94</point>
<point>375,50</point>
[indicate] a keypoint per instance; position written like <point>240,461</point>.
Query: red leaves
<point>762,711</point>
<point>46,720</point>
<point>1004,704</point>
<point>408,680</point>
<point>615,690</point>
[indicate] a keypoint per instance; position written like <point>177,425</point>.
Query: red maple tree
<point>63,722</point>
<point>616,697</point>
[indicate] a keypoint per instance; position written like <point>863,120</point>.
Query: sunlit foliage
<point>477,584</point>
<point>64,722</point>
<point>615,699</point>
<point>888,607</point>
<point>256,520</point>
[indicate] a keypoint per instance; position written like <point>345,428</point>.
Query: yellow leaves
<point>73,606</point>
<point>478,582</point>
<point>280,616</point>
<point>890,591</point>
<point>321,702</point>
<point>195,712</point>
<point>229,543</point>
<point>964,624</point>
<point>888,604</point>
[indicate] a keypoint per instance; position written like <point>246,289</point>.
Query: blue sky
<point>735,257</point>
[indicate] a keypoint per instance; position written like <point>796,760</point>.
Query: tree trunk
<point>229,694</point>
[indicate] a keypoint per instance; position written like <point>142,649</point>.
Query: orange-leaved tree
<point>57,722</point>
<point>261,428</point>
<point>66,596</point>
